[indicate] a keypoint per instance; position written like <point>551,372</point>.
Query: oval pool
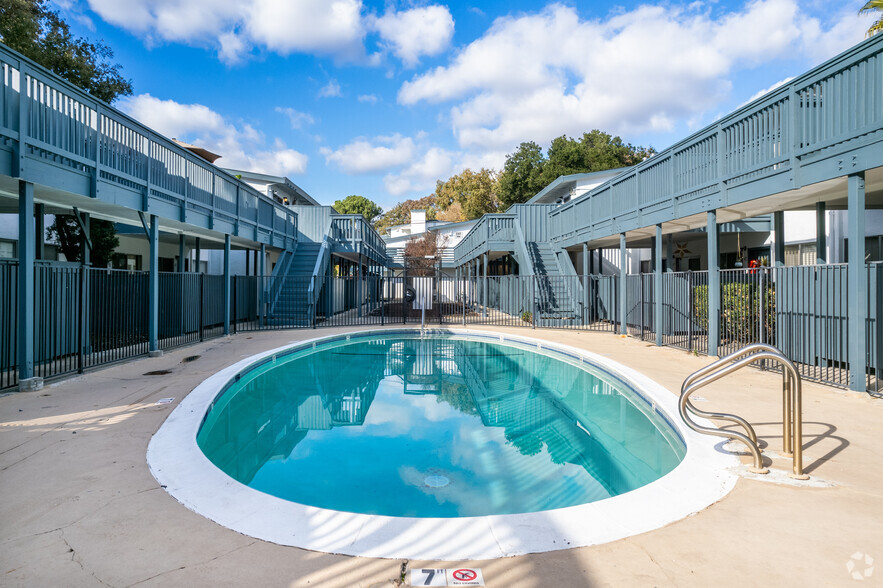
<point>456,445</point>
<point>436,426</point>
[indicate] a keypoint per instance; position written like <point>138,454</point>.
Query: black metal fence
<point>8,324</point>
<point>90,317</point>
<point>684,311</point>
<point>640,307</point>
<point>87,317</point>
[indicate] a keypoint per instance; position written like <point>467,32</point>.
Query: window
<point>800,254</point>
<point>126,261</point>
<point>873,249</point>
<point>7,250</point>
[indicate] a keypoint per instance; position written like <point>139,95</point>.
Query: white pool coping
<point>704,476</point>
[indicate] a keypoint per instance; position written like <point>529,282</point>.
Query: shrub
<point>741,308</point>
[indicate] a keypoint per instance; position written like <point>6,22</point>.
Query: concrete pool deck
<point>80,507</point>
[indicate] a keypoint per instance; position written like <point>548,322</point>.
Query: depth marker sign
<point>449,577</point>
<point>428,577</point>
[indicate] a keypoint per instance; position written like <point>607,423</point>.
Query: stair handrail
<point>566,270</point>
<point>792,424</point>
<point>277,277</point>
<point>314,288</point>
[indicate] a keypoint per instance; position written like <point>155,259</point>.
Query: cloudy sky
<point>384,98</point>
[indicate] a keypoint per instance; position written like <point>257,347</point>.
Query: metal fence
<point>684,314</point>
<point>8,324</point>
<point>640,307</point>
<point>89,317</point>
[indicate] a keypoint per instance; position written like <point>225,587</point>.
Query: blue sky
<point>384,98</point>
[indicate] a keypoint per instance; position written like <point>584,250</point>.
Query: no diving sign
<point>449,577</point>
<point>465,577</point>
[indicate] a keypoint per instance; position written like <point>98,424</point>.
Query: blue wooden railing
<point>490,227</point>
<point>795,135</point>
<point>60,137</point>
<point>351,232</point>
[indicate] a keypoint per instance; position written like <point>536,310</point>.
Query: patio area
<point>81,507</point>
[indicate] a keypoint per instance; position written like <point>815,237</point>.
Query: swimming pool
<point>436,426</point>
<point>462,444</point>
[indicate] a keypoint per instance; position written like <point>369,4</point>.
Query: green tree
<point>35,31</point>
<point>594,151</point>
<point>520,179</point>
<point>358,205</point>
<point>102,233</point>
<point>477,193</point>
<point>400,214</point>
<point>873,6</point>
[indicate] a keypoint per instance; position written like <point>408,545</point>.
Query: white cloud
<point>322,26</point>
<point>326,27</point>
<point>537,76</point>
<point>416,32</point>
<point>369,98</point>
<point>765,91</point>
<point>362,156</point>
<point>298,120</point>
<point>420,176</point>
<point>241,147</point>
<point>330,90</point>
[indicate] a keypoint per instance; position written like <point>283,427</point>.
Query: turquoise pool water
<point>440,426</point>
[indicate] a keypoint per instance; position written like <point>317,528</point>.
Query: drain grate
<point>190,358</point>
<point>157,373</point>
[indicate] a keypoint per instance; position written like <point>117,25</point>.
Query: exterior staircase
<point>554,298</point>
<point>290,305</point>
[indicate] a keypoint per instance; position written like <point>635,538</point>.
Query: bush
<point>527,316</point>
<point>741,308</point>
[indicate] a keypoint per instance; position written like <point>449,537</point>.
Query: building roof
<point>200,151</point>
<point>433,225</point>
<point>564,185</point>
<point>295,194</point>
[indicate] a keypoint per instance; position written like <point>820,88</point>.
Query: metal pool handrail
<point>792,424</point>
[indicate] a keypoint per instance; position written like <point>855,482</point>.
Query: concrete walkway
<point>80,508</point>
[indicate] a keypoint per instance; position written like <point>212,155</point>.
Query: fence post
<point>227,292</point>
<point>234,312</point>
<point>713,297</point>
<point>384,285</point>
<point>201,304</point>
<point>81,319</point>
<point>461,291</point>
<point>533,302</point>
<point>623,292</point>
<point>761,312</point>
<point>153,289</point>
<point>404,303</point>
<point>690,310</point>
<point>657,286</point>
<point>879,325</point>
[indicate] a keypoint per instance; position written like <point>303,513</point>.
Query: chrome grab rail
<point>792,424</point>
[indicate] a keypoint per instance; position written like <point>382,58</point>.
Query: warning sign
<point>465,577</point>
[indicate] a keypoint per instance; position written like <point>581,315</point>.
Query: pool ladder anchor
<point>792,420</point>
